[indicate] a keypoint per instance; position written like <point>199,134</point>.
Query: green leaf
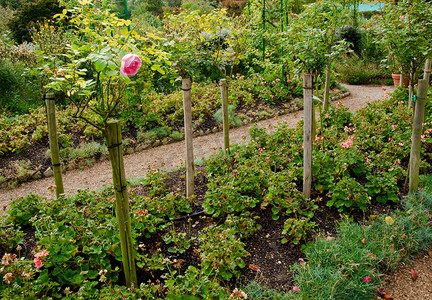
<point>100,65</point>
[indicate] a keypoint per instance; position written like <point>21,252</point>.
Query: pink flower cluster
<point>37,260</point>
<point>347,143</point>
<point>7,258</point>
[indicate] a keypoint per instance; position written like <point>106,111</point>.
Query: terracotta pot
<point>396,80</point>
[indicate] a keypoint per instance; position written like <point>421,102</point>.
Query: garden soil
<point>168,157</point>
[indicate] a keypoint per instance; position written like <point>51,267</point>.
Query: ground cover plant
<point>207,245</point>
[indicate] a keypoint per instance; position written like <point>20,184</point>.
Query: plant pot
<point>396,80</point>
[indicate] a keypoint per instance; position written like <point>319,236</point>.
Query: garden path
<point>171,156</point>
<point>400,284</point>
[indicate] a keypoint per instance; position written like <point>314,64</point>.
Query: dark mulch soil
<point>266,250</point>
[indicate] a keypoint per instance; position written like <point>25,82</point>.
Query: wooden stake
<point>187,106</point>
<point>307,133</point>
<point>416,136</point>
<point>115,148</point>
<point>224,100</point>
<point>427,71</point>
<point>327,90</point>
<point>53,140</point>
<point>426,76</point>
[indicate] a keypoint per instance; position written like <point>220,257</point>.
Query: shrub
<point>356,70</point>
<point>19,88</point>
<point>353,35</point>
<point>31,12</point>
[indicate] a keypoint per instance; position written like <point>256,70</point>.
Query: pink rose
<point>130,64</point>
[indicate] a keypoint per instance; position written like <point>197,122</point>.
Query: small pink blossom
<point>42,254</point>
<point>422,136</point>
<point>366,279</point>
<point>7,277</point>
<point>288,80</point>
<point>327,115</point>
<point>38,263</point>
<point>397,162</point>
<point>296,289</point>
<point>347,143</point>
<point>367,159</point>
<point>403,249</point>
<point>395,126</point>
<point>238,294</point>
<point>301,259</point>
<point>383,88</point>
<point>24,274</point>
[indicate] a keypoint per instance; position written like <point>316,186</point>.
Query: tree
<point>407,35</point>
<point>312,40</point>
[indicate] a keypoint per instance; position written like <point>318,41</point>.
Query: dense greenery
<point>358,159</point>
<point>368,155</point>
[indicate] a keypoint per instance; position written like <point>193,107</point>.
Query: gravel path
<point>172,155</point>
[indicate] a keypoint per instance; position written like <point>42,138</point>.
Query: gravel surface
<point>400,285</point>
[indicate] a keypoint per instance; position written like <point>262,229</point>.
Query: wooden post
<point>416,136</point>
<point>187,107</point>
<point>427,71</point>
<point>307,133</point>
<point>115,148</point>
<point>426,76</point>
<point>53,140</point>
<point>327,90</point>
<point>224,100</point>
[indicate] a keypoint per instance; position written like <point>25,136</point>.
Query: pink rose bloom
<point>367,279</point>
<point>130,64</point>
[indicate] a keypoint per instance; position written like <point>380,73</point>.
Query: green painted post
<point>115,148</point>
<point>414,162</point>
<point>264,28</point>
<point>53,140</point>
<point>126,11</point>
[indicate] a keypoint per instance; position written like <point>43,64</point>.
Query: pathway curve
<point>172,155</point>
